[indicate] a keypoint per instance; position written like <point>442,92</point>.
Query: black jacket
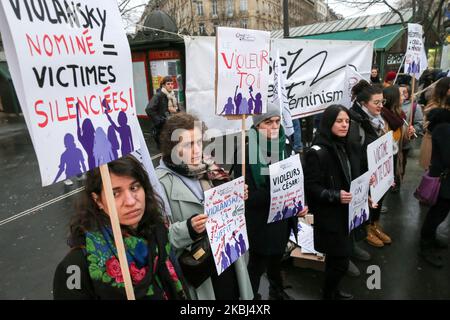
<point>264,238</point>
<point>361,134</point>
<point>326,173</point>
<point>440,154</point>
<point>158,108</point>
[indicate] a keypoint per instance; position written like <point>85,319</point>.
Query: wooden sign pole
<point>411,112</point>
<point>117,232</point>
<point>243,145</point>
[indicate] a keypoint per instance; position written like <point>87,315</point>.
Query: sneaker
<point>353,270</point>
<point>68,182</point>
<point>360,254</point>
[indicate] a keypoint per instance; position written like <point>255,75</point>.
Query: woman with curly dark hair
<point>153,267</point>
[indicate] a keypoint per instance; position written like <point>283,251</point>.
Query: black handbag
<point>198,263</point>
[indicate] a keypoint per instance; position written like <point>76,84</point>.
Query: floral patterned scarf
<point>153,266</point>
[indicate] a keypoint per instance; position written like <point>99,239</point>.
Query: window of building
<point>214,7</point>
<point>244,23</point>
<point>200,8</point>
<point>230,8</point>
<point>201,29</point>
<point>244,5</point>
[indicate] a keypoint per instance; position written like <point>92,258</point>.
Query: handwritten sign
<point>242,71</point>
<point>287,196</point>
<point>226,225</point>
<point>71,66</point>
<point>358,209</point>
<point>415,61</point>
<point>380,158</point>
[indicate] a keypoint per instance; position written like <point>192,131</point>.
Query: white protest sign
<point>62,55</point>
<point>358,208</point>
<point>242,71</point>
<point>226,226</point>
<point>287,194</point>
<point>316,71</point>
<point>380,157</point>
<point>415,58</point>
<point>305,237</point>
<point>312,69</point>
<point>352,77</point>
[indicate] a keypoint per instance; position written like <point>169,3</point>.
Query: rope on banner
<point>386,35</point>
<point>160,30</point>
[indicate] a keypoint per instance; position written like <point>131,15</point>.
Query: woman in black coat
<point>267,241</point>
<point>440,166</point>
<point>330,168</point>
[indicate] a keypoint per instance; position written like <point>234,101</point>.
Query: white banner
<point>316,71</point>
<point>287,194</point>
<point>380,157</point>
<point>242,71</point>
<point>416,60</point>
<point>358,209</point>
<point>305,238</point>
<point>226,226</point>
<point>67,63</point>
<point>315,76</point>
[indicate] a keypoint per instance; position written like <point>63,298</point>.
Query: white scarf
<point>377,122</point>
<point>171,97</point>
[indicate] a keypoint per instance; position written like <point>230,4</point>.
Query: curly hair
<point>89,217</point>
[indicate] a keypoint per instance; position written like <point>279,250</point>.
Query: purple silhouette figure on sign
<point>102,148</point>
<point>71,159</point>
<point>229,107</point>
<point>230,253</point>
<point>298,207</point>
<point>224,261</point>
<point>112,137</point>
<point>244,106</point>
<point>85,135</point>
<point>123,129</point>
<point>250,105</point>
<point>277,217</point>
<point>237,101</point>
<point>242,244</point>
<point>257,102</point>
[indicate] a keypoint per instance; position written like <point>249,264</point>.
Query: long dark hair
<point>329,118</point>
<point>392,96</point>
<point>440,92</point>
<point>89,217</point>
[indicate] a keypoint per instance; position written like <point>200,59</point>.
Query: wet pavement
<point>34,225</point>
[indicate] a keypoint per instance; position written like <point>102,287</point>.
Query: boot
<point>428,253</point>
<point>353,270</point>
<point>359,253</point>
<point>372,238</point>
<point>380,234</point>
<point>341,295</point>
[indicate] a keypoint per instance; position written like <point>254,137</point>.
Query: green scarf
<point>260,147</point>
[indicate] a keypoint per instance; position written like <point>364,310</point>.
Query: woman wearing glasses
<point>367,126</point>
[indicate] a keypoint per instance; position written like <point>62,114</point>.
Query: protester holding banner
<point>439,126</point>
<point>394,118</point>
<point>185,174</point>
<point>267,241</point>
<point>439,99</point>
<point>367,126</point>
<point>331,165</point>
<point>153,266</point>
<point>162,104</point>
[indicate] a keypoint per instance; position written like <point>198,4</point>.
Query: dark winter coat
<point>158,108</point>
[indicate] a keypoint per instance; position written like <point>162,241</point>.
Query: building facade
<point>200,17</point>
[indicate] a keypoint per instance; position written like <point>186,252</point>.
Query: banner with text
<point>358,208</point>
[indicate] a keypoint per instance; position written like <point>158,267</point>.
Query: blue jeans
<point>298,145</point>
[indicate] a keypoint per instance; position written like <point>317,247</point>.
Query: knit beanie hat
<point>273,110</point>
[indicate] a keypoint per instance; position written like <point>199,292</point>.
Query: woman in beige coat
<point>440,99</point>
<point>185,175</point>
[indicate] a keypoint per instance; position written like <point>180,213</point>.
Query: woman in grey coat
<point>185,175</point>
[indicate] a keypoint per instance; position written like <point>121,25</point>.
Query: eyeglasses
<point>378,102</point>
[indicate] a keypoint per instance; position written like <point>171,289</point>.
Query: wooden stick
<point>117,232</point>
<point>243,145</point>
<point>411,112</point>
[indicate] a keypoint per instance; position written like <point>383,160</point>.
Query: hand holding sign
<point>346,197</point>
<point>198,222</point>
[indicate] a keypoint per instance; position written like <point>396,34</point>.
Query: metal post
<point>285,19</point>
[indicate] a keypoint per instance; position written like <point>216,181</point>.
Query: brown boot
<point>372,238</point>
<point>380,234</point>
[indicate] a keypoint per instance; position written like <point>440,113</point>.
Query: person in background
<point>389,79</point>
<point>161,106</point>
<point>267,241</point>
<point>374,76</point>
<point>185,174</point>
<point>154,269</point>
<point>330,167</point>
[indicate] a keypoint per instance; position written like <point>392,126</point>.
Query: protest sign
<point>380,158</point>
<point>287,195</point>
<point>358,208</point>
<point>415,58</point>
<point>242,74</point>
<point>226,226</point>
<point>305,238</point>
<point>71,67</point>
